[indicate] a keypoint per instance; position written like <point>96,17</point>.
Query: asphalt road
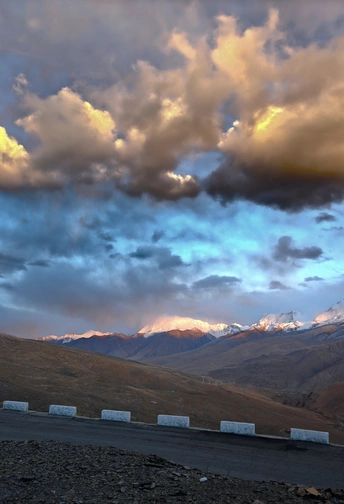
<point>253,458</point>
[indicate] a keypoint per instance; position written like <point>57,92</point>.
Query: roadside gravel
<point>50,472</point>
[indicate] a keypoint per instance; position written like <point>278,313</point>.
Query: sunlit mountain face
<point>170,158</point>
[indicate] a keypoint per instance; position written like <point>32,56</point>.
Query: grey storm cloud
<point>277,285</point>
<point>285,250</point>
<point>313,279</point>
<point>133,124</point>
<point>325,217</point>
<point>213,281</point>
<point>163,256</point>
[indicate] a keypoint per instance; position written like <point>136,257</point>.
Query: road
<point>253,458</point>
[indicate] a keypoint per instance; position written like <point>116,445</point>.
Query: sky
<point>169,158</point>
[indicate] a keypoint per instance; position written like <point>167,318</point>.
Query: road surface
<point>254,458</point>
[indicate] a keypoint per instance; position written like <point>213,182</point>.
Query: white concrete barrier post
<point>246,429</point>
<point>116,416</point>
<point>310,435</point>
<point>15,405</point>
<point>69,411</point>
<point>174,420</point>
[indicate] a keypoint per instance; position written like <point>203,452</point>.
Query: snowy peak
<point>66,338</point>
<point>333,315</point>
<point>281,321</point>
<point>166,323</point>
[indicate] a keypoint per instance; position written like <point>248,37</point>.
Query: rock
<point>203,479</point>
<point>312,491</point>
<point>301,492</point>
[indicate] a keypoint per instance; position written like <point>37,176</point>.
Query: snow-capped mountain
<point>170,323</point>
<point>281,321</point>
<point>66,338</point>
<point>274,322</point>
<point>333,315</point>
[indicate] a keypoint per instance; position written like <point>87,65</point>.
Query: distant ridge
<point>289,321</point>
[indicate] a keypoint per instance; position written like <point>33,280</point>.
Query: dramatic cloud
<point>284,250</point>
<point>276,285</point>
<point>123,125</point>
<point>325,217</point>
<point>284,149</point>
<point>214,281</point>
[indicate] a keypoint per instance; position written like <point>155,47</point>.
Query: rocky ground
<point>56,473</point>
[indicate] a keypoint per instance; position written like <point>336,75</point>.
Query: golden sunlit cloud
<point>13,161</point>
<point>288,104</point>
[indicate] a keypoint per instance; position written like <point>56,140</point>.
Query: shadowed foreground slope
<point>46,374</point>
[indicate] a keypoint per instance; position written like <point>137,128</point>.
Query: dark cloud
<point>40,262</point>
<point>214,281</point>
<point>313,279</point>
<point>290,192</point>
<point>162,255</point>
<point>277,285</point>
<point>157,235</point>
<point>325,217</point>
<point>10,263</point>
<point>284,250</point>
<point>106,236</point>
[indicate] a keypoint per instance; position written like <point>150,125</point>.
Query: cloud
<point>14,172</point>
<point>10,264</point>
<point>214,281</point>
<point>162,255</point>
<point>40,262</point>
<point>284,250</point>
<point>313,279</point>
<point>20,83</point>
<point>276,285</point>
<point>325,217</point>
<point>283,150</point>
<point>157,235</point>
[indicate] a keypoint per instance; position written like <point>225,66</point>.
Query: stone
<point>247,429</point>
<point>174,421</point>
<point>312,491</point>
<point>202,480</point>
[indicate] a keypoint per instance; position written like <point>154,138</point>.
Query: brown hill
<point>299,361</point>
<point>46,374</point>
<point>302,371</point>
<point>328,401</point>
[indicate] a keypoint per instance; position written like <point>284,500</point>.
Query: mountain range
<point>273,322</point>
<point>277,353</point>
<point>287,361</point>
